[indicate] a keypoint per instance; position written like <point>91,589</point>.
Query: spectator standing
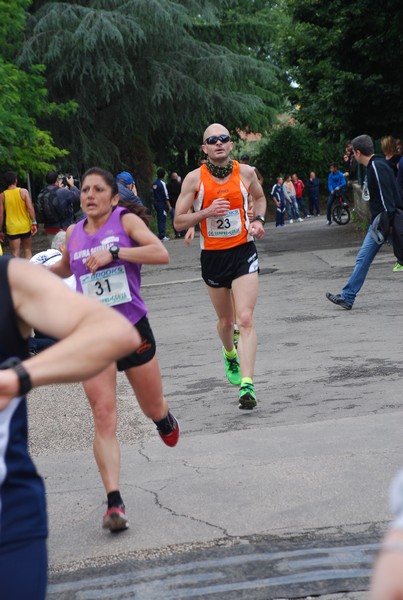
<point>57,201</point>
<point>127,188</point>
<point>384,198</point>
<point>174,187</point>
<point>312,186</point>
<point>389,148</point>
<point>18,212</point>
<point>277,193</point>
<point>299,189</point>
<point>349,163</point>
<point>161,204</point>
<point>335,182</point>
<point>290,197</point>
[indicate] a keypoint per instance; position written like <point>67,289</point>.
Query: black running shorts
<point>221,267</point>
<point>22,236</point>
<point>145,352</point>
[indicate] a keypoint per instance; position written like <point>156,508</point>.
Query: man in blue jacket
<point>381,190</point>
<point>335,182</point>
<point>127,188</point>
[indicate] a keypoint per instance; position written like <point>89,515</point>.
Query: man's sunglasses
<point>213,139</point>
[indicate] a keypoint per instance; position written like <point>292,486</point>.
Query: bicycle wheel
<point>341,214</point>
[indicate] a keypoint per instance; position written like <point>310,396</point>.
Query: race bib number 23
<point>227,226</point>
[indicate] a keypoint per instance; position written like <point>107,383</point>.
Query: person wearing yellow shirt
<point>18,213</point>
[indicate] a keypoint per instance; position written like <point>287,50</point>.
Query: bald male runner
<point>217,192</point>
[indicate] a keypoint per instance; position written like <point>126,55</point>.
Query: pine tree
<point>143,76</point>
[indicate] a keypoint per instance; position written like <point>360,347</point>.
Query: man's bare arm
<point>183,217</point>
<point>30,208</point>
<point>248,174</point>
<point>28,203</point>
<point>92,335</point>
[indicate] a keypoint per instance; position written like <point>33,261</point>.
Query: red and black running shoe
<point>115,519</point>
<point>171,438</point>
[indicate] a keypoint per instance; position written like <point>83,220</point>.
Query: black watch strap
<point>23,375</point>
<point>114,250</point>
<point>260,218</point>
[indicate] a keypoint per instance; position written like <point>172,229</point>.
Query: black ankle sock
<point>114,499</point>
<point>165,425</point>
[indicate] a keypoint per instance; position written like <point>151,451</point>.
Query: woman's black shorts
<point>145,352</point>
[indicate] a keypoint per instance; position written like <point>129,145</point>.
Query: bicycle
<point>340,210</point>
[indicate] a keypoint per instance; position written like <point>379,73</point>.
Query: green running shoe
<point>247,398</point>
<point>232,369</point>
<point>398,267</point>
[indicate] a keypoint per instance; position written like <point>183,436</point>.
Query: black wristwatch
<point>23,375</point>
<point>114,250</point>
<point>260,218</point>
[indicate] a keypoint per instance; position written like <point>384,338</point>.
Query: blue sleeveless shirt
<point>22,492</point>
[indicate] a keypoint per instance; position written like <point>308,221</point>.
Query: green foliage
<point>346,58</point>
<point>12,24</point>
<point>294,149</point>
<point>140,69</point>
<point>250,28</point>
<point>24,146</point>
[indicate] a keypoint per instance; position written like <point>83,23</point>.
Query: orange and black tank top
<point>230,230</point>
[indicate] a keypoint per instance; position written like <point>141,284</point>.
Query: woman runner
<point>105,252</point>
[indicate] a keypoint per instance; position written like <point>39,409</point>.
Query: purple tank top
<point>116,284</point>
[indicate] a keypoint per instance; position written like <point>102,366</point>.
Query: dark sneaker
<point>247,398</point>
<point>171,438</point>
<point>232,369</point>
<point>339,300</point>
<point>115,519</point>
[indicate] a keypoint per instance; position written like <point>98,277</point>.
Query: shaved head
<point>215,129</point>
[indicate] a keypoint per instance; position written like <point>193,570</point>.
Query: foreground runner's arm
<point>92,335</point>
<point>387,579</point>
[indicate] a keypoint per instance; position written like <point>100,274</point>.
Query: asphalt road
<point>286,501</point>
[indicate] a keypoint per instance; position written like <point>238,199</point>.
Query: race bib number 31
<point>109,286</point>
<point>227,226</point>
